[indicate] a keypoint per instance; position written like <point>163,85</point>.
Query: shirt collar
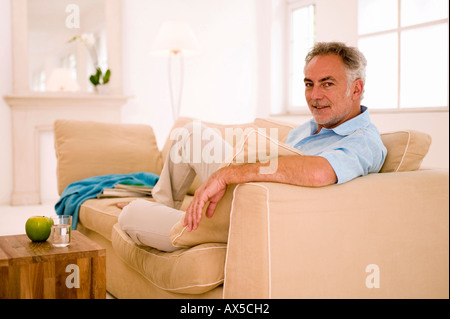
<point>348,127</point>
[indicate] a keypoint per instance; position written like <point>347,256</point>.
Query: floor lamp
<point>176,39</point>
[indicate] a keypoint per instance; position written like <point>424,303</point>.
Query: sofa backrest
<point>406,148</point>
<point>237,130</point>
<point>85,149</point>
<point>182,121</point>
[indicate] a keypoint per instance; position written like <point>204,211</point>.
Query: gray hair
<point>354,61</point>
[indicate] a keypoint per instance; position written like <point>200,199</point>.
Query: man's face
<point>327,94</point>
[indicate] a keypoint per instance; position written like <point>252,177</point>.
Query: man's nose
<point>316,93</point>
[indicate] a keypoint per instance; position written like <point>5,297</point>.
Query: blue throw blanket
<point>76,193</point>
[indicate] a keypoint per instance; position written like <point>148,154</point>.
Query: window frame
<point>289,109</point>
<point>291,6</point>
<point>398,30</point>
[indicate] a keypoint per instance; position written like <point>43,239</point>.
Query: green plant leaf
<point>73,39</point>
<point>106,76</point>
<point>93,80</point>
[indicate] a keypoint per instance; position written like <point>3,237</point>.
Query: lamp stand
<point>176,100</point>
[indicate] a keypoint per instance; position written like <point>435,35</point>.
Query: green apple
<point>38,228</point>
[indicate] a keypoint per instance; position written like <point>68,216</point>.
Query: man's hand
<point>212,190</point>
<point>312,171</point>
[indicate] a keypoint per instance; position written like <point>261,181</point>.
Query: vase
<point>102,89</point>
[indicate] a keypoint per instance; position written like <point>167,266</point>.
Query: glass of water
<point>61,229</point>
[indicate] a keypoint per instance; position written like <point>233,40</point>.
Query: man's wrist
<point>236,174</point>
<point>224,174</point>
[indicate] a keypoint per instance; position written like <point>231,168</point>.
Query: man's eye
<point>328,84</point>
<point>308,85</point>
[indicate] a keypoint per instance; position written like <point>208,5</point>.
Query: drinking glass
<point>61,229</point>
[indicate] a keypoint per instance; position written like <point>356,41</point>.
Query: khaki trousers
<point>197,150</point>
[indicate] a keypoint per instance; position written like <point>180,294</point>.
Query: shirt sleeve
<point>355,155</point>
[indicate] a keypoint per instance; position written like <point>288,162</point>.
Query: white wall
<point>5,113</point>
<point>433,123</point>
<point>220,84</point>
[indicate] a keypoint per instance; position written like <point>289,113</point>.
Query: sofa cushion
<point>100,215</point>
<point>85,149</point>
<point>235,129</point>
<point>186,271</point>
<point>406,150</point>
<point>210,230</point>
<point>283,127</point>
<point>256,146</point>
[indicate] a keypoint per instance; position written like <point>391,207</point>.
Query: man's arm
<point>311,171</point>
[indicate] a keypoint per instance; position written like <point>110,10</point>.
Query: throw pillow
<point>406,150</point>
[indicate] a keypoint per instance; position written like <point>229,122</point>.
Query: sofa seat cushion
<point>100,215</point>
<point>193,270</point>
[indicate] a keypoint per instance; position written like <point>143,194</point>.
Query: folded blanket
<point>76,193</point>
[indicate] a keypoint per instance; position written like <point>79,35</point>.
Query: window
<point>301,17</point>
<point>406,45</point>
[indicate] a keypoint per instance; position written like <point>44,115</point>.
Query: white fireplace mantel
<point>36,113</point>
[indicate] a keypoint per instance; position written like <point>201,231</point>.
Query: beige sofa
<point>384,235</point>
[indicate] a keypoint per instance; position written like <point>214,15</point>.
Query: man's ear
<point>357,89</point>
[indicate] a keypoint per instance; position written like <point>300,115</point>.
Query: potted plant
<point>98,79</point>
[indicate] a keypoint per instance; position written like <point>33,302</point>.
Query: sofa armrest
<point>85,149</point>
<point>378,236</point>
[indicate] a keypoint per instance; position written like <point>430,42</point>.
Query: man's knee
<point>127,216</point>
<point>149,223</point>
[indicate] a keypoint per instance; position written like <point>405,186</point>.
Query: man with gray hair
<point>340,143</point>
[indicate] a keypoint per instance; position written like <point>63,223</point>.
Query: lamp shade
<point>175,36</point>
<point>61,80</point>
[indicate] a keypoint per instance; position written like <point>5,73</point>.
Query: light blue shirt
<point>353,148</point>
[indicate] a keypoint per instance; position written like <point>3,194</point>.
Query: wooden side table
<point>41,271</point>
